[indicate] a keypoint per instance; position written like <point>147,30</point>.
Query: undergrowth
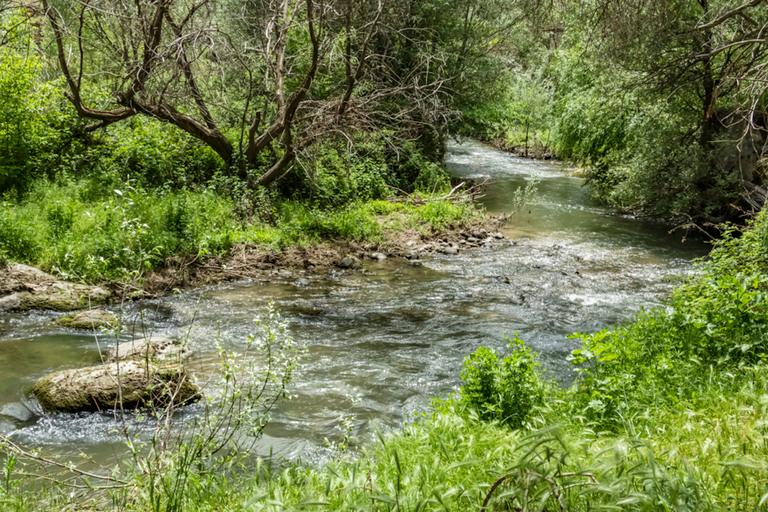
<point>87,231</point>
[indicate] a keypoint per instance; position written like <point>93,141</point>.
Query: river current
<point>385,340</point>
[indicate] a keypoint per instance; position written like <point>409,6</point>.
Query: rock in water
<point>452,250</point>
<point>91,319</point>
<point>349,261</point>
<point>142,372</point>
<point>378,256</point>
<point>24,288</point>
<point>100,387</point>
<point>157,349</point>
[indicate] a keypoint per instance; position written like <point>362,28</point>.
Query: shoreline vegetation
<point>667,412</point>
<point>157,144</point>
<point>212,247</point>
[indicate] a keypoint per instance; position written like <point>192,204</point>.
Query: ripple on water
<point>395,335</point>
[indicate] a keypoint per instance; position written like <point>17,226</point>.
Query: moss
<point>95,388</point>
<point>91,319</point>
<point>64,297</point>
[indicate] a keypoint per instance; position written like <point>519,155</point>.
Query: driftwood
<point>472,193</point>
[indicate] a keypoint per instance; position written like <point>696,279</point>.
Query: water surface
<point>383,341</point>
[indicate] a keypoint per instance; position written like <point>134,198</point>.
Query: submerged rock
<point>90,319</point>
<point>137,384</point>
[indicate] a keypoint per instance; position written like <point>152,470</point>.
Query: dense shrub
<point>160,156</point>
<point>718,318</point>
<point>34,124</point>
<point>339,173</point>
<point>503,389</point>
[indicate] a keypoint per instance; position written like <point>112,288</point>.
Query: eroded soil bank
<point>27,288</point>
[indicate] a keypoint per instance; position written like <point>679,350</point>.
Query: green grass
<point>86,231</point>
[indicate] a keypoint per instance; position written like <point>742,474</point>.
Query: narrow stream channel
<point>393,335</point>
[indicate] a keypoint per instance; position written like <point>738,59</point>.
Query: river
<point>393,335</point>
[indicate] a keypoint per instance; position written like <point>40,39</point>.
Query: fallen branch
<point>471,194</point>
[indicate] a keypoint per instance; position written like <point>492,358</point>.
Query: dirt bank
<point>24,288</point>
<point>245,262</point>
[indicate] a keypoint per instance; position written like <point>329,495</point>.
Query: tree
<point>274,76</point>
<point>711,56</point>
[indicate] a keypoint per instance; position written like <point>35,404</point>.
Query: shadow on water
<point>394,335</point>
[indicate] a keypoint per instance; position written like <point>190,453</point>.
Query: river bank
<point>23,287</point>
<point>264,262</point>
<point>383,342</point>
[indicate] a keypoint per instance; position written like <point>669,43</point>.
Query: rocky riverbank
<point>23,287</point>
<point>253,262</point>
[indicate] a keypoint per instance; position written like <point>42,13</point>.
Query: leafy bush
<point>718,318</point>
<point>504,389</point>
<point>337,175</point>
<point>32,122</point>
<point>160,156</point>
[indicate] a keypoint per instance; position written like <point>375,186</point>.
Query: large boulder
<point>24,288</point>
<point>156,349</point>
<point>90,319</point>
<point>137,384</point>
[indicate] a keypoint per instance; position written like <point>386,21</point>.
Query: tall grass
<point>86,230</point>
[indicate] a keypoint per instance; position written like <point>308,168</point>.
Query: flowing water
<point>393,335</point>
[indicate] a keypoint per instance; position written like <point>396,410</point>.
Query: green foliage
<point>716,319</point>
<point>31,123</point>
<point>86,230</point>
<point>413,168</point>
<point>519,117</point>
<point>640,148</point>
<point>160,156</point>
<point>128,232</point>
<point>300,224</point>
<point>505,389</point>
<point>19,240</point>
<point>340,173</point>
